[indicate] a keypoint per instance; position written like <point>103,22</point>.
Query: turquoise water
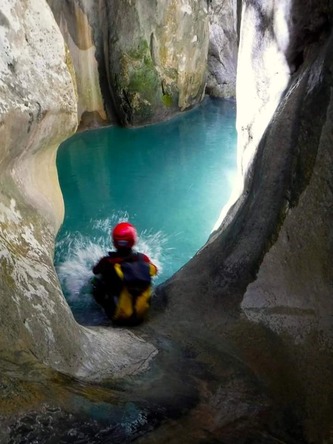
<point>170,180</point>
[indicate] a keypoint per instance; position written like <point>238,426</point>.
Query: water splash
<point>174,185</point>
<point>105,225</point>
<point>153,244</point>
<point>76,254</point>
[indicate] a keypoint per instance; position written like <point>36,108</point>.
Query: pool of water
<point>170,180</point>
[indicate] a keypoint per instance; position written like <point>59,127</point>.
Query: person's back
<point>123,278</point>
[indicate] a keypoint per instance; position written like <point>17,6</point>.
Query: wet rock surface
<point>239,344</point>
<point>184,397</point>
<point>38,111</point>
<point>223,48</point>
<point>135,62</point>
<point>261,284</point>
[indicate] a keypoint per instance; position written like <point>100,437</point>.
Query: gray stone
<point>38,111</point>
<point>135,62</point>
<point>156,55</point>
<point>253,307</point>
<point>79,22</point>
<point>223,48</point>
<point>261,287</point>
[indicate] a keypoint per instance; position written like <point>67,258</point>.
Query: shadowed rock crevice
<point>251,274</point>
<point>309,25</point>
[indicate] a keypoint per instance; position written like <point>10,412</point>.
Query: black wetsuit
<point>107,285</point>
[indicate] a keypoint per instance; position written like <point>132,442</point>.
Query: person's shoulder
<point>106,260</point>
<point>114,257</point>
<point>101,260</point>
<point>144,257</point>
<point>100,266</point>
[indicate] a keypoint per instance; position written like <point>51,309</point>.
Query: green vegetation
<point>139,85</point>
<point>142,74</point>
<point>167,100</point>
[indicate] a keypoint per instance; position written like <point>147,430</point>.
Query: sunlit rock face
<point>38,111</point>
<point>254,306</point>
<point>135,62</point>
<point>223,48</point>
<point>156,54</point>
<point>80,26</point>
<point>261,288</point>
<point>167,48</point>
<point>293,111</point>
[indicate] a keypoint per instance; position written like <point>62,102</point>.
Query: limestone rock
<point>261,288</point>
<point>152,57</point>
<point>223,48</point>
<point>156,55</point>
<point>135,62</point>
<point>80,26</point>
<point>254,305</point>
<point>38,111</point>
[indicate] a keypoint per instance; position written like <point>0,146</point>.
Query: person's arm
<point>153,268</point>
<point>99,267</point>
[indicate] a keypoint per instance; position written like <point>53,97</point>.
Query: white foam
<point>76,254</point>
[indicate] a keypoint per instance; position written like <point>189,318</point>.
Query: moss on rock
<point>138,84</point>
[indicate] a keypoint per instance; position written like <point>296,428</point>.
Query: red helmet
<point>124,235</point>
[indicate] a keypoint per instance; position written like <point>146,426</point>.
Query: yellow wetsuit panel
<point>142,303</point>
<point>124,308</point>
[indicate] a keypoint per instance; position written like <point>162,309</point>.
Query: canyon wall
<point>38,111</point>
<point>47,87</point>
<point>135,62</point>
<point>223,48</point>
<point>80,26</point>
<point>142,62</point>
<point>258,294</point>
<point>261,288</point>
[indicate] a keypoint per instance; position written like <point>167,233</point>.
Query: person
<point>123,279</point>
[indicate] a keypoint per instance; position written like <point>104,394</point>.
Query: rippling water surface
<point>170,180</point>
